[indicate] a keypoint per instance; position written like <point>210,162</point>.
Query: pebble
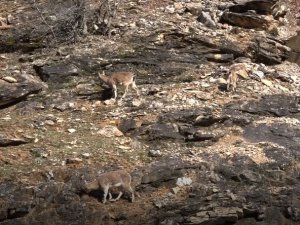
<point>49,122</point>
<point>86,155</point>
<point>155,153</point>
<point>175,190</point>
<point>71,130</point>
<point>9,79</point>
<point>73,161</point>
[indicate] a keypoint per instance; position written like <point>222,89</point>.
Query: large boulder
<point>18,88</point>
<point>56,74</point>
<point>246,20</point>
<point>259,6</point>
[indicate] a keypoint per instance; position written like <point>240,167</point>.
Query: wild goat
<point>111,179</point>
<point>236,70</point>
<point>120,79</point>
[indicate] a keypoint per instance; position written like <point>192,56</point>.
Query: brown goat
<point>120,79</point>
<point>111,179</point>
<point>236,70</point>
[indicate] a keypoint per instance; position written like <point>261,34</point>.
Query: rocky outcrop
<point>246,20</point>
<point>270,105</point>
<point>56,74</point>
<point>13,92</point>
<point>7,140</point>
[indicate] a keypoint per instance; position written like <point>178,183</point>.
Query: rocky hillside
<point>197,152</point>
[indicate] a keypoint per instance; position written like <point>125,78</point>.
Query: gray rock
<point>194,8</point>
<point>247,221</point>
<point>269,105</point>
<point>56,74</point>
<point>155,153</point>
<point>250,176</point>
<point>269,51</point>
<point>6,140</point>
<point>163,131</point>
<point>261,7</point>
<point>206,19</point>
<point>11,93</point>
<point>245,20</point>
<point>274,216</point>
<point>183,181</point>
<point>163,170</point>
<point>204,135</point>
<point>258,75</point>
<point>220,57</point>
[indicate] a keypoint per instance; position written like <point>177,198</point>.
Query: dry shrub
<point>60,21</point>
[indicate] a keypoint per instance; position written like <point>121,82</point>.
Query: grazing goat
<point>236,70</point>
<point>120,79</point>
<point>111,179</point>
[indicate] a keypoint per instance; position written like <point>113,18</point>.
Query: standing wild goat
<point>236,70</point>
<point>111,179</point>
<point>120,79</point>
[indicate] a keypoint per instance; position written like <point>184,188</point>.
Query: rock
<point>158,204</point>
<point>11,93</point>
<point>9,79</point>
<point>111,101</point>
<point>267,82</point>
<point>209,120</point>
<point>199,220</point>
<point>274,216</point>
<point>6,140</point>
<point>282,76</point>
<point>71,130</point>
<point>269,51</point>
<point>206,19</point>
<point>163,170</point>
<point>170,9</point>
<point>183,181</point>
<point>194,8</point>
<point>175,190</point>
<point>155,153</point>
<point>110,131</point>
<point>56,74</point>
<point>263,7</point>
<point>163,131</point>
<point>73,161</point>
<point>219,215</point>
<point>258,75</point>
<point>64,106</point>
<point>228,214</point>
<point>221,81</point>
<point>203,135</point>
<point>86,155</point>
<point>247,221</point>
<point>269,105</point>
<point>246,20</point>
<point>157,105</point>
<point>127,125</point>
<point>136,102</point>
<point>250,176</point>
<point>220,57</point>
<point>282,134</point>
<point>49,122</point>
